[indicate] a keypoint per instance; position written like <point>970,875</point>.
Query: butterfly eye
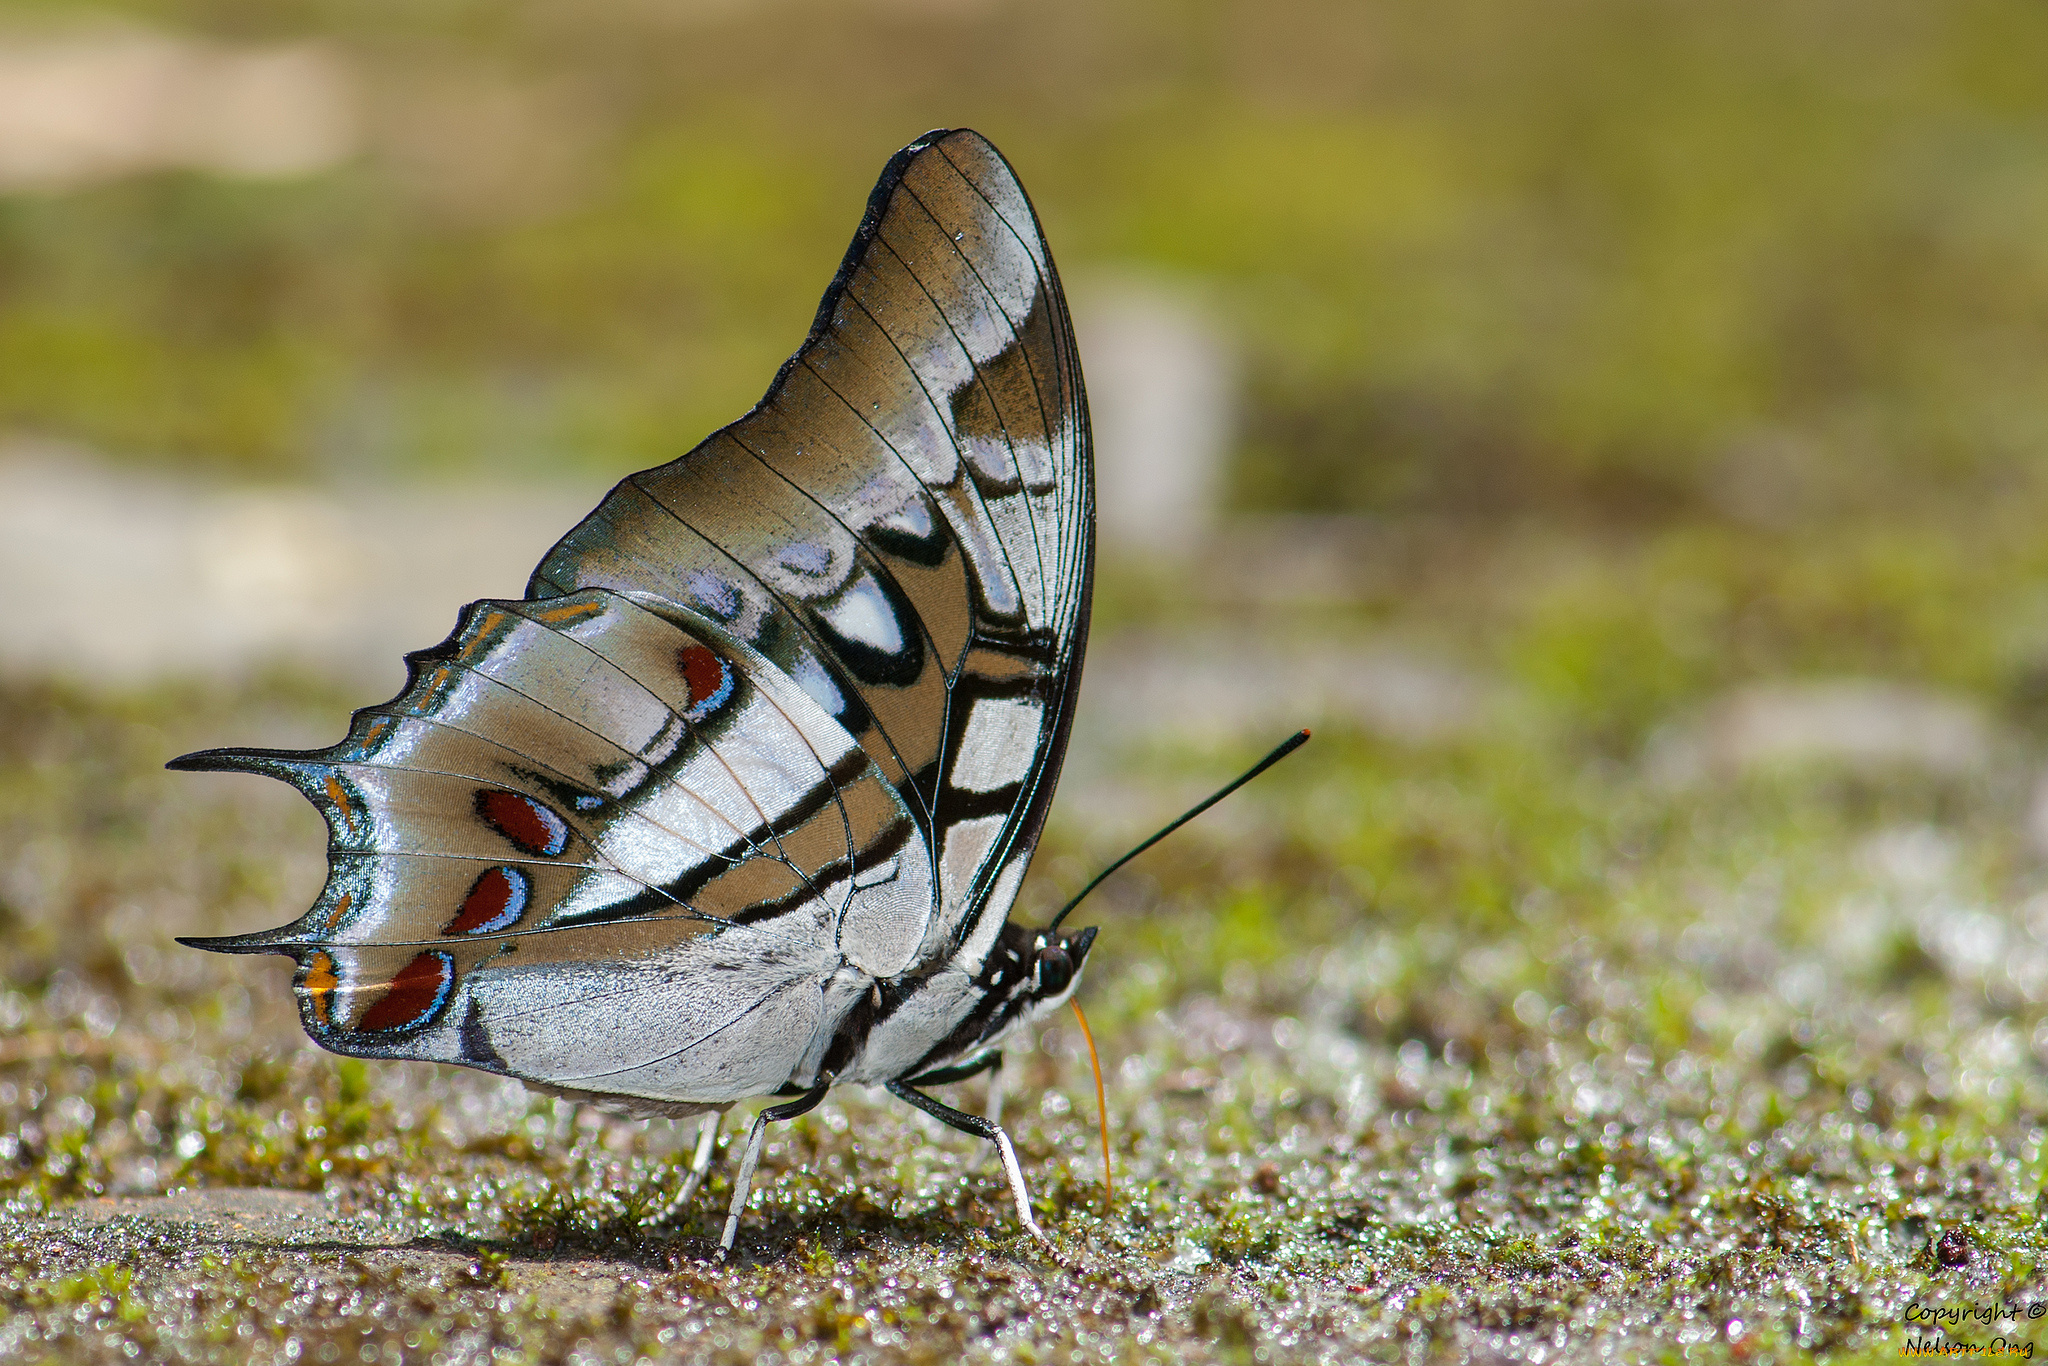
<point>1055,970</point>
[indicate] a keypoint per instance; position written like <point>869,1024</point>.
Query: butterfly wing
<point>566,801</point>
<point>794,701</point>
<point>905,524</point>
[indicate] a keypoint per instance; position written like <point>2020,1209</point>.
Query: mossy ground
<point>1490,1047</point>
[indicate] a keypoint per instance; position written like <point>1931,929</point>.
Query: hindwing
<point>565,801</point>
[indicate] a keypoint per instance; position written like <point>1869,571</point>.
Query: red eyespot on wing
<point>708,678</point>
<point>419,990</point>
<point>524,821</point>
<point>495,903</point>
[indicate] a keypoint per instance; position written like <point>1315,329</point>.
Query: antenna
<point>1287,747</point>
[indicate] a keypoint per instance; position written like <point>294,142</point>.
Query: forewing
<point>531,845</point>
<point>905,523</point>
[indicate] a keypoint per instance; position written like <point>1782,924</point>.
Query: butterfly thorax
<point>954,1015</point>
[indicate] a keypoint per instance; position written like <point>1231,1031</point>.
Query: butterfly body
<point>736,800</point>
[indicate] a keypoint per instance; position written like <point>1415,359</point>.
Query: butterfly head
<point>1056,960</point>
<point>1032,972</point>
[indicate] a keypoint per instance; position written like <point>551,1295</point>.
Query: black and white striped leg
<point>743,1180</point>
<point>980,1128</point>
<point>700,1163</point>
<point>990,1062</point>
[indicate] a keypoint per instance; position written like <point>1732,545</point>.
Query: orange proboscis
<point>1101,1104</point>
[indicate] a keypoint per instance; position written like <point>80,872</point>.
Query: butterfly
<point>735,802</point>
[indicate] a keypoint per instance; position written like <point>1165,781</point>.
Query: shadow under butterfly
<point>735,802</point>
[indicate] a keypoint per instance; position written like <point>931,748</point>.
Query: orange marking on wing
<point>568,613</point>
<point>341,905</point>
<point>344,808</point>
<point>320,983</point>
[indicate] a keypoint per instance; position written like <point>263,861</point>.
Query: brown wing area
<point>905,524</point>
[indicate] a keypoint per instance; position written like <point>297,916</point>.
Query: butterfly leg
<point>980,1128</point>
<point>990,1062</point>
<point>743,1181</point>
<point>700,1163</point>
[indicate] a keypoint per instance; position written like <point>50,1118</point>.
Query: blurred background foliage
<point>1629,261</point>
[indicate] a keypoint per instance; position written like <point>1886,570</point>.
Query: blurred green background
<point>1635,472</point>
<point>1624,260</point>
